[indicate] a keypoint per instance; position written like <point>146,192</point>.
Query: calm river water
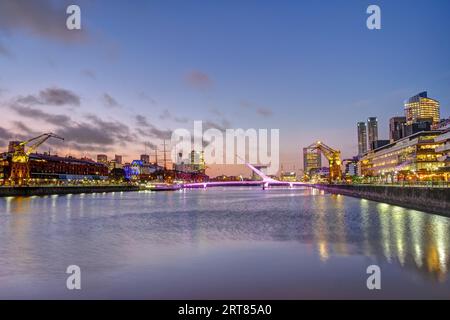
<point>220,243</point>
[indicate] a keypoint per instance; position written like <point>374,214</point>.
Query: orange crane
<point>334,158</point>
<point>20,168</point>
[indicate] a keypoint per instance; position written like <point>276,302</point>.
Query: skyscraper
<point>311,160</point>
<point>372,130</point>
<point>118,159</point>
<point>395,128</point>
<point>362,138</point>
<point>421,107</point>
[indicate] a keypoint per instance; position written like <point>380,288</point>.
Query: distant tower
<point>145,158</point>
<point>396,128</point>
<point>118,159</point>
<point>362,138</point>
<point>312,159</point>
<point>372,130</point>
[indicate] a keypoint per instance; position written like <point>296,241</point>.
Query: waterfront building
<point>379,143</point>
<point>139,170</point>
<point>351,167</point>
<point>396,128</point>
<point>444,149</point>
<point>362,138</point>
<point>102,158</point>
<point>312,160</point>
<point>372,131</point>
<point>45,167</point>
<point>422,125</point>
<point>413,157</point>
<point>290,176</point>
<point>420,107</point>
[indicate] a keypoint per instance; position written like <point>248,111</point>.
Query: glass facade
<point>421,107</point>
<point>362,138</point>
<point>416,155</point>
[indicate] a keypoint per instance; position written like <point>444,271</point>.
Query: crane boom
<point>334,158</point>
<point>20,169</point>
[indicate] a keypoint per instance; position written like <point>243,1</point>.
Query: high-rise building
<point>372,131</point>
<point>145,158</point>
<point>362,138</point>
<point>102,158</point>
<point>312,160</point>
<point>422,107</point>
<point>118,159</point>
<point>395,128</point>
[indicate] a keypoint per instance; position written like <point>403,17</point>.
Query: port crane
<point>20,168</point>
<point>334,159</point>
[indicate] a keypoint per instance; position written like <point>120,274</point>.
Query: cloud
<point>96,134</point>
<point>89,74</point>
<point>142,121</point>
<point>166,115</point>
<point>265,112</point>
<point>52,96</point>
<point>143,96</point>
<point>5,134</point>
<point>37,114</point>
<point>43,18</point>
<point>149,130</point>
<point>24,128</point>
<point>261,111</point>
<point>110,102</point>
<point>199,80</point>
<point>4,51</point>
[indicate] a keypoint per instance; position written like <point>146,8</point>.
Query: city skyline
<point>108,92</point>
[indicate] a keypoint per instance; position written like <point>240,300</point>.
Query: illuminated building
<point>372,131</point>
<point>312,160</point>
<point>421,107</point>
<point>362,138</point>
<point>290,176</point>
<point>196,163</point>
<point>118,159</point>
<point>379,143</point>
<point>139,170</point>
<point>414,157</point>
<point>49,167</point>
<point>102,158</point>
<point>396,128</point>
<point>444,149</point>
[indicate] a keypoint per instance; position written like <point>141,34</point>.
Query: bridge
<point>266,182</point>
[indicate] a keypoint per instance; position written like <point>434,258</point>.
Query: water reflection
<point>103,230</point>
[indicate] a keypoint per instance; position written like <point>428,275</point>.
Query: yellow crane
<point>334,159</point>
<point>20,168</point>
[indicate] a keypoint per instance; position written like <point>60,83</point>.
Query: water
<point>228,243</point>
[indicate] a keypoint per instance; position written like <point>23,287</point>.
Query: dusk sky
<point>139,69</point>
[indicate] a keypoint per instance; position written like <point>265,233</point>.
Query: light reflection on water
<point>149,236</point>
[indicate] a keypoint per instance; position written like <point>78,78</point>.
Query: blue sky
<point>310,68</point>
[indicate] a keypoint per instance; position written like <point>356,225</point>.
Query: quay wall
<point>44,190</point>
<point>433,200</point>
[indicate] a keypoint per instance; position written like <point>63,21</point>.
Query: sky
<point>139,69</point>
